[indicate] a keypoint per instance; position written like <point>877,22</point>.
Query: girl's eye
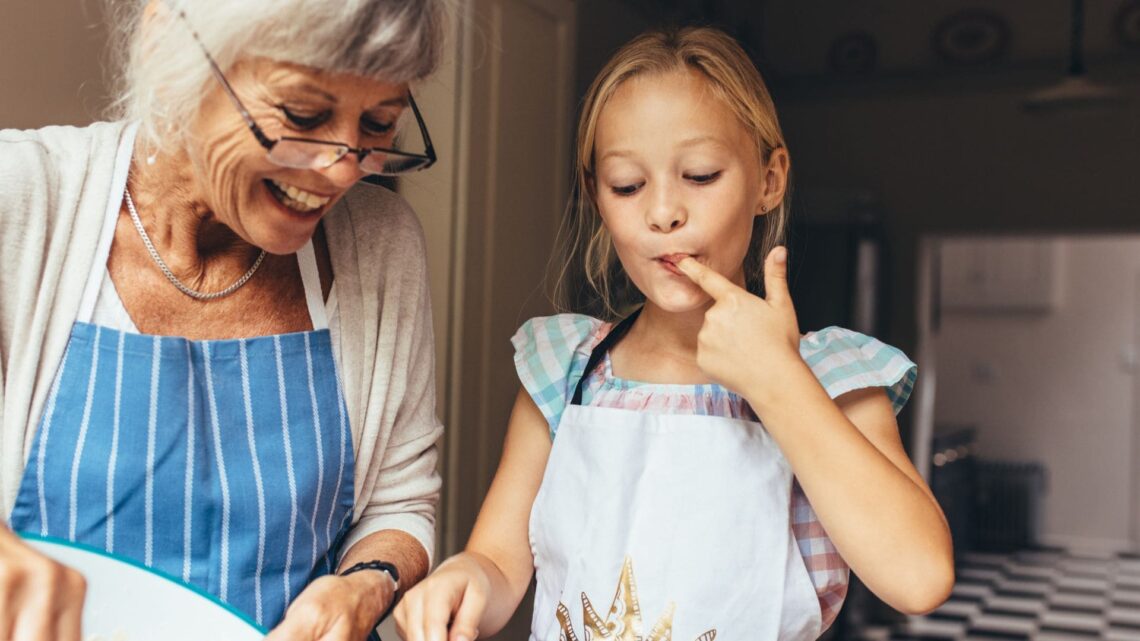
<point>626,190</point>
<point>303,120</point>
<point>374,127</point>
<point>704,179</point>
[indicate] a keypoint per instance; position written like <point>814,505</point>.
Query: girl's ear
<point>774,181</point>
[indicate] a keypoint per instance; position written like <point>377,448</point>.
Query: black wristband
<point>380,566</point>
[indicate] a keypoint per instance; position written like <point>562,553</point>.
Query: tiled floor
<point>1043,596</point>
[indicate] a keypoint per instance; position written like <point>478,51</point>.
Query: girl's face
<point>678,175</point>
<point>273,207</point>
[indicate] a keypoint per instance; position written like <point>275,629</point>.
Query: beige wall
<point>51,56</point>
<point>1058,388</point>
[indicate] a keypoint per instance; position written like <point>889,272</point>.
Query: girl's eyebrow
<point>687,142</point>
<point>616,153</point>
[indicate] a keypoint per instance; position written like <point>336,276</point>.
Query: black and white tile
<point>1038,596</point>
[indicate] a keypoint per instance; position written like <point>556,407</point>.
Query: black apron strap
<point>600,350</point>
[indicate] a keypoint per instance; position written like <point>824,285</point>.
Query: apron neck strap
<point>311,279</point>
<point>606,344</point>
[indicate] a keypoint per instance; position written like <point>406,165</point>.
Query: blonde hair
<point>732,78</point>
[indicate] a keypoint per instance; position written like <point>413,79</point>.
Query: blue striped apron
<point>226,463</point>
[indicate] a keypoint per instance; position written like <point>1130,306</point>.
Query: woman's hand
<point>747,342</point>
<point>41,598</point>
<point>337,608</point>
<point>455,594</point>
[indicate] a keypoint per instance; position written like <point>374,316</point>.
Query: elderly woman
<point>215,343</point>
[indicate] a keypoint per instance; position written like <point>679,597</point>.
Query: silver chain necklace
<point>192,293</point>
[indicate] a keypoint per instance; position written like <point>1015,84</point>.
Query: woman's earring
<point>764,208</point>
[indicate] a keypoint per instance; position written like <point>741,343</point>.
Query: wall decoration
<point>1127,24</point>
<point>853,53</point>
<point>971,37</point>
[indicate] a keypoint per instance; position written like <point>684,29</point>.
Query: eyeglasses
<point>306,153</point>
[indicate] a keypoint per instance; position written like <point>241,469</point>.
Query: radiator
<point>1007,505</point>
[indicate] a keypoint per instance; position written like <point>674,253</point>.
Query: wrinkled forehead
<point>303,81</point>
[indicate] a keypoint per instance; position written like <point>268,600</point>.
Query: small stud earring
<point>150,159</point>
<point>764,208</point>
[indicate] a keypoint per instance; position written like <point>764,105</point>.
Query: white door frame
<point>926,356</point>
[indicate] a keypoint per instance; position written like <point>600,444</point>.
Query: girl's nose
<point>666,212</point>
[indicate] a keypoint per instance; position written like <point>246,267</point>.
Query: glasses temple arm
<point>265,141</point>
<point>430,149</point>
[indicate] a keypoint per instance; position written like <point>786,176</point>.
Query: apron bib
<point>656,527</point>
<point>227,464</point>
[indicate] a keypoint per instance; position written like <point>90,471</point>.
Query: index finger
<point>707,279</point>
<point>465,626</point>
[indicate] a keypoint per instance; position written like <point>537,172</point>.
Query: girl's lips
<point>673,259</point>
<point>669,262</point>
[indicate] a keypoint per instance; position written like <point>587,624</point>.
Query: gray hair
<point>162,75</point>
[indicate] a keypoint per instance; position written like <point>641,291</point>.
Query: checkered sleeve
<point>550,354</point>
<point>844,361</point>
<point>827,570</point>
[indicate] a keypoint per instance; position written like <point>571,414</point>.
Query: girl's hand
<point>455,594</point>
<point>747,342</point>
<point>39,598</point>
<point>337,608</point>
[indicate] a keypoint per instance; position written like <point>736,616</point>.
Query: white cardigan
<point>55,186</point>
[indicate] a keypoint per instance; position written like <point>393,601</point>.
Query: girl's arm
<point>851,464</point>
<point>846,453</point>
<point>478,590</point>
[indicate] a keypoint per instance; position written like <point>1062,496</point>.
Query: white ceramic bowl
<point>129,602</point>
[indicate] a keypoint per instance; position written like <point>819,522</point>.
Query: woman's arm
<point>479,589</point>
<point>396,523</point>
<point>348,607</point>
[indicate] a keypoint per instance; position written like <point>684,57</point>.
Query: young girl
<point>698,470</point>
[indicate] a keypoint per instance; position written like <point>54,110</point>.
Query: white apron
<point>658,527</point>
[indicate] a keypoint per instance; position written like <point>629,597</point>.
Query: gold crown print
<point>623,623</point>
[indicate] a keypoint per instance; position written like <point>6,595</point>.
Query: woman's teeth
<point>298,199</point>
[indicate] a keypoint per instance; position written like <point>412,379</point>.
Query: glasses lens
<point>390,164</point>
<point>403,147</point>
<point>400,147</point>
<point>300,154</point>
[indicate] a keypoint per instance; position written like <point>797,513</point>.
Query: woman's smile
<point>296,198</point>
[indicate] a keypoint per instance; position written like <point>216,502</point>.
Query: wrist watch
<point>393,573</point>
